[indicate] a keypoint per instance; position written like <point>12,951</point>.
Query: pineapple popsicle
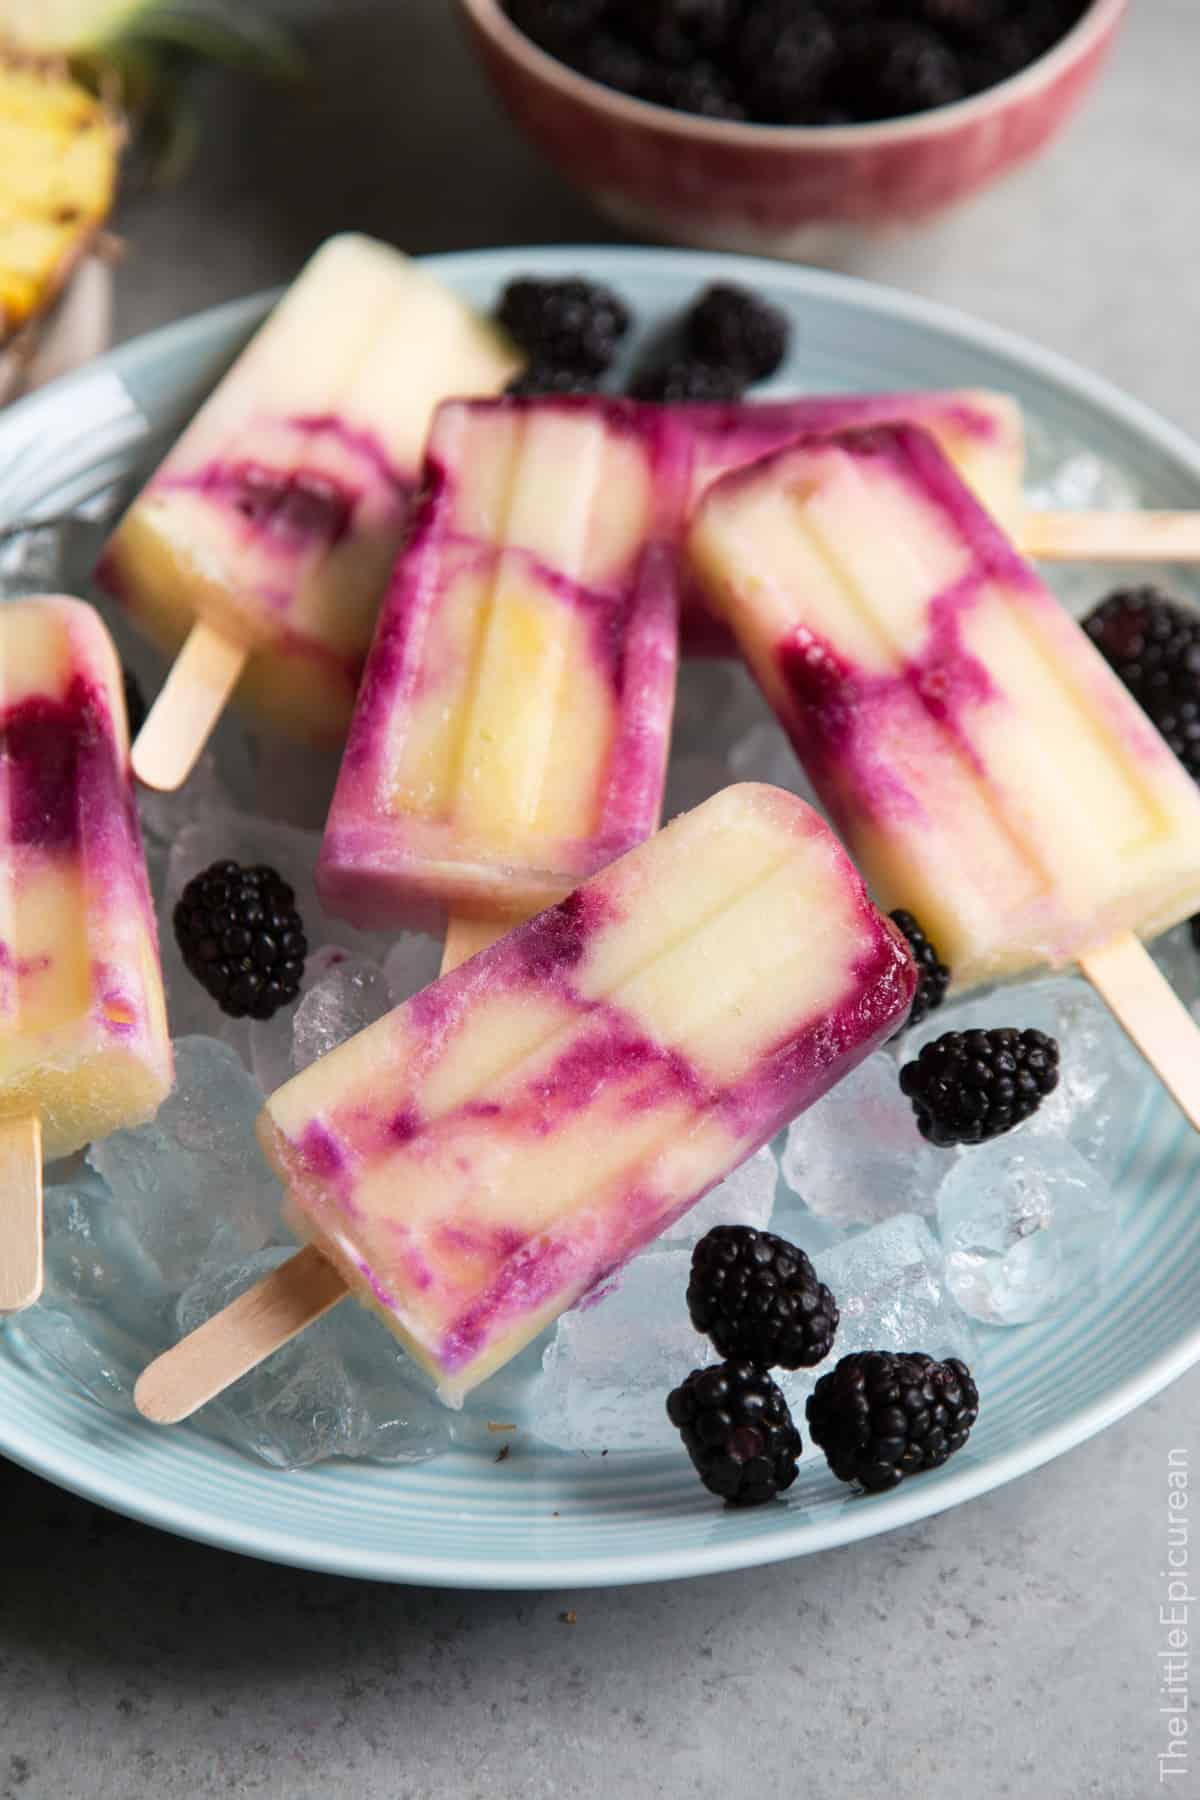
<point>83,1029</point>
<point>511,732</point>
<point>276,517</point>
<point>488,1152</point>
<point>986,769</point>
<point>982,433</point>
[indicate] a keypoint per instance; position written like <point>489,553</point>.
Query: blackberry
<point>785,57</point>
<point>879,1416</point>
<point>557,26</point>
<point>678,30</point>
<point>737,1429</point>
<point>135,701</point>
<point>1153,644</point>
<point>734,328</point>
<point>700,88</point>
<point>540,379</point>
<point>891,68</point>
<point>933,977</point>
<point>757,1298</point>
<point>687,379</point>
<point>615,63</point>
<point>242,938</point>
<point>569,324</point>
<point>967,1086</point>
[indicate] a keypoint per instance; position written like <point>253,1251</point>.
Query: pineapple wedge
<point>59,152</point>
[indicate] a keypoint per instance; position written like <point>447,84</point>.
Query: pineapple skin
<point>59,157</point>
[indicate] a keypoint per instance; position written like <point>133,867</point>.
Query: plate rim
<point>869,1515</point>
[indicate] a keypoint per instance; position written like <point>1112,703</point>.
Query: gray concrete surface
<point>1009,1648</point>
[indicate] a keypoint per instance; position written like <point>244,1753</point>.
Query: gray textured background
<point>1008,1648</point>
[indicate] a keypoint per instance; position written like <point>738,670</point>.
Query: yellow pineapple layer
<point>59,151</point>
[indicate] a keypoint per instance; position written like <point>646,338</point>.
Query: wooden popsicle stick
<point>1111,536</point>
<point>1142,1000</point>
<point>234,1341</point>
<point>465,937</point>
<point>21,1252</point>
<point>189,703</point>
<point>281,1305</point>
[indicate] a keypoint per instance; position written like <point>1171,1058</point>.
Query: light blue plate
<point>545,1518</point>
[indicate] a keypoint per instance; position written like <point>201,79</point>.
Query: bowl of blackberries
<point>781,127</point>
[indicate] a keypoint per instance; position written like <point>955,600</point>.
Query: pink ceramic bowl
<point>781,190</point>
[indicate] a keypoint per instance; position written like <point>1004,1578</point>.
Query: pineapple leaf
<point>220,31</point>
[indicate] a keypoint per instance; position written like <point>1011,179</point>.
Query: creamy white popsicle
<point>487,1153</point>
<point>512,729</point>
<point>277,515</point>
<point>83,1029</point>
<point>985,767</point>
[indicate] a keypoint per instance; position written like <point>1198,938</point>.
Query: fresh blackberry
<point>962,19</point>
<point>700,88</point>
<point>736,329</point>
<point>568,324</point>
<point>891,68</point>
<point>1153,644</point>
<point>557,26</point>
<point>879,1416</point>
<point>135,701</point>
<point>242,938</point>
<point>542,379</point>
<point>678,30</point>
<point>967,1086</point>
<point>687,379</point>
<point>615,63</point>
<point>737,1429</point>
<point>757,1298</point>
<point>933,977</point>
<point>785,56</point>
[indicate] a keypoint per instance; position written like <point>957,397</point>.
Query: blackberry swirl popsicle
<point>84,1048</point>
<point>987,770</point>
<point>478,1160</point>
<point>263,542</point>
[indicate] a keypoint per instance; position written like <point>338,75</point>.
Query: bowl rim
<point>489,18</point>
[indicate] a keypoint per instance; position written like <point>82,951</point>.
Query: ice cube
<point>341,993</point>
<point>746,1197</point>
<point>857,1157</point>
<point>610,1365</point>
<point>105,1310</point>
<point>342,1388</point>
<point>1083,482</point>
<point>1025,1224</point>
<point>347,993</point>
<point>410,965</point>
<point>194,1178</point>
<point>891,1291</point>
<point>809,1231</point>
<point>76,1346</point>
<point>1179,960</point>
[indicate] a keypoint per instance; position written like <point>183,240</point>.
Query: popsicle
<point>493,1149</point>
<point>983,433</point>
<point>512,728</point>
<point>986,769</point>
<point>265,538</point>
<point>83,1031</point>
